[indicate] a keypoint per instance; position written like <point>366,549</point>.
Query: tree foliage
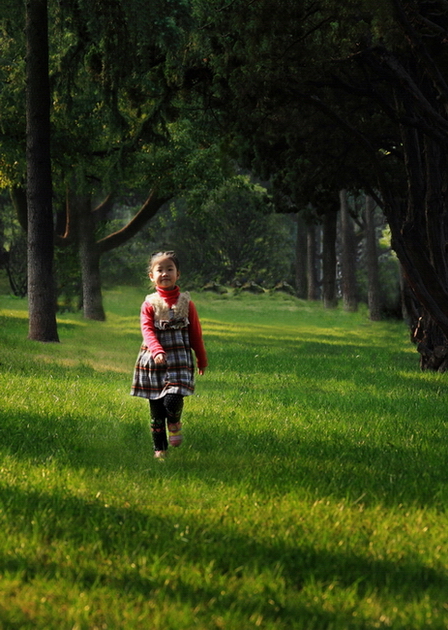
<point>232,237</point>
<point>112,104</point>
<point>235,236</point>
<point>313,95</point>
<point>323,94</point>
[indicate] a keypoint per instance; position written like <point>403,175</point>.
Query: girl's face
<point>164,273</point>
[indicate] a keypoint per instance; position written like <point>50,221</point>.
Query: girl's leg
<point>158,428</point>
<point>174,404</point>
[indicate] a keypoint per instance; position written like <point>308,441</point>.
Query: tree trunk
<point>311,267</point>
<point>373,282</point>
<point>92,298</point>
<point>41,295</point>
<point>419,234</point>
<point>81,225</point>
<point>300,259</point>
<point>329,232</point>
<point>348,258</point>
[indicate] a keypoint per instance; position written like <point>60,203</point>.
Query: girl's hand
<point>201,371</point>
<point>160,359</point>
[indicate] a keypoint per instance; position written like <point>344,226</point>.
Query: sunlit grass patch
<point>309,493</point>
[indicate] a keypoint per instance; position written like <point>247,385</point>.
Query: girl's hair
<point>169,254</point>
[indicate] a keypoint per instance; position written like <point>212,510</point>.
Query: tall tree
<point>329,229</point>
<point>373,281</point>
<point>348,256</point>
<point>301,258</point>
<point>108,117</point>
<point>41,296</point>
<point>312,266</point>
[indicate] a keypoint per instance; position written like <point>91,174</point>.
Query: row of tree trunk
<point>317,258</point>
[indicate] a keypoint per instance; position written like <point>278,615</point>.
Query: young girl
<point>164,371</point>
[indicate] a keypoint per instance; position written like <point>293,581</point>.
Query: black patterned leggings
<point>166,410</point>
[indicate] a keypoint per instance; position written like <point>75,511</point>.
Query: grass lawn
<point>309,493</point>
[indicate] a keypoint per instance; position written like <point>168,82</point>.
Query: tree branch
<point>411,87</point>
<point>433,70</point>
<point>420,273</point>
<point>150,207</point>
<point>102,210</point>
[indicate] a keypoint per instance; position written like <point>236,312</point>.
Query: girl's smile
<point>164,273</point>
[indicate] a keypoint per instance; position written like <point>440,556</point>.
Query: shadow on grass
<point>270,462</point>
<point>335,468</point>
<point>137,540</point>
<point>308,355</point>
<point>331,446</point>
<point>345,463</point>
<point>78,442</point>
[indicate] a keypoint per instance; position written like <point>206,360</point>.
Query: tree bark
<point>373,282</point>
<point>300,259</point>
<point>89,256</point>
<point>329,231</point>
<point>348,258</point>
<point>91,250</point>
<point>311,267</point>
<point>419,234</point>
<point>41,295</point>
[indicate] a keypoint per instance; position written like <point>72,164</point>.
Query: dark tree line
<point>327,97</point>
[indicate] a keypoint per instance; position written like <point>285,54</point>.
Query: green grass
<point>309,494</point>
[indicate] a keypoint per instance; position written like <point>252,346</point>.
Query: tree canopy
<point>112,106</point>
<point>322,96</point>
<point>313,95</point>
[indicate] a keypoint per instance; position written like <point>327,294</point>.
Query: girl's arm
<point>196,340</point>
<point>148,331</point>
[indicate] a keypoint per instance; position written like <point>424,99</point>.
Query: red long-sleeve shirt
<point>194,329</point>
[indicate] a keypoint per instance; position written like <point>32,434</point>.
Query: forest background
<point>242,134</point>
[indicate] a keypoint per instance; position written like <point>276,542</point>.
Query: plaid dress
<point>153,380</point>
